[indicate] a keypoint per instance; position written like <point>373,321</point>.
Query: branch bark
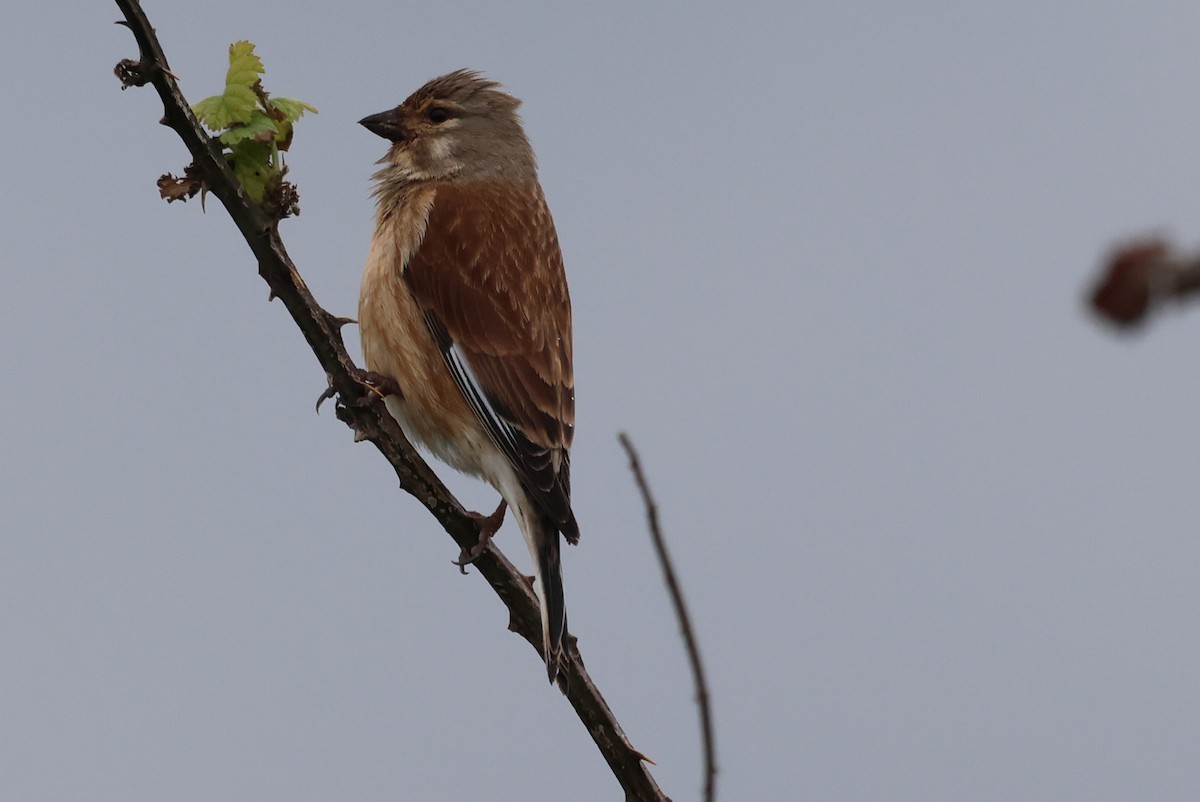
<point>362,410</point>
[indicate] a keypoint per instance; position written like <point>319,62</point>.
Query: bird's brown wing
<point>488,276</point>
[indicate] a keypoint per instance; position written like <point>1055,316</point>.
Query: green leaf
<point>238,101</point>
<point>254,127</point>
<point>221,111</point>
<point>251,163</point>
<point>291,108</point>
<point>260,128</point>
<point>206,109</point>
<point>244,65</point>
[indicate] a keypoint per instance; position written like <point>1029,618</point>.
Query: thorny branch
<point>362,410</point>
<point>681,612</point>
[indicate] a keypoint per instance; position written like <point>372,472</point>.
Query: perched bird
<point>464,313</point>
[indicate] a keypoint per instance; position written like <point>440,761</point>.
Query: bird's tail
<point>550,593</point>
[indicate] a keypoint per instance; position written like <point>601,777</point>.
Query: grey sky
<point>937,529</point>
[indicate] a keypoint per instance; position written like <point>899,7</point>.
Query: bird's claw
<point>377,384</point>
<point>328,393</point>
<point>488,526</point>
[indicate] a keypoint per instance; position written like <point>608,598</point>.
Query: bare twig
<point>361,409</point>
<point>685,625</point>
<point>1139,277</point>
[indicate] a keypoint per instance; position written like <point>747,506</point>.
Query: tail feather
<point>554,610</point>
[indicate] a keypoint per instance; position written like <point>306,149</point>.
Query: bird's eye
<point>437,115</point>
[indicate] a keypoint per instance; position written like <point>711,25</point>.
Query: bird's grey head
<point>461,127</point>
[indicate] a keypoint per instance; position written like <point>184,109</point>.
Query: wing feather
<point>488,277</point>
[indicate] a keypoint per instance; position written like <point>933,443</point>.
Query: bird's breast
<point>397,344</point>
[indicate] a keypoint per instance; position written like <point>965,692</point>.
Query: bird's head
<point>460,126</point>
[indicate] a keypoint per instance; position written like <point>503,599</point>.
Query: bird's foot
<point>328,393</point>
<point>378,384</point>
<point>488,526</point>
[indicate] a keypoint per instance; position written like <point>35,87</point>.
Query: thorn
<point>271,296</point>
<point>124,22</point>
<point>642,757</point>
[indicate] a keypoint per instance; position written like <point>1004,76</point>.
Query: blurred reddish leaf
<point>1133,276</point>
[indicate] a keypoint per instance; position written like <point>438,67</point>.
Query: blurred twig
<point>685,624</point>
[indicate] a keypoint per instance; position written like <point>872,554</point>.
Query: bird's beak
<point>385,124</point>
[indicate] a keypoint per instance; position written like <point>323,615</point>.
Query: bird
<point>465,316</point>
